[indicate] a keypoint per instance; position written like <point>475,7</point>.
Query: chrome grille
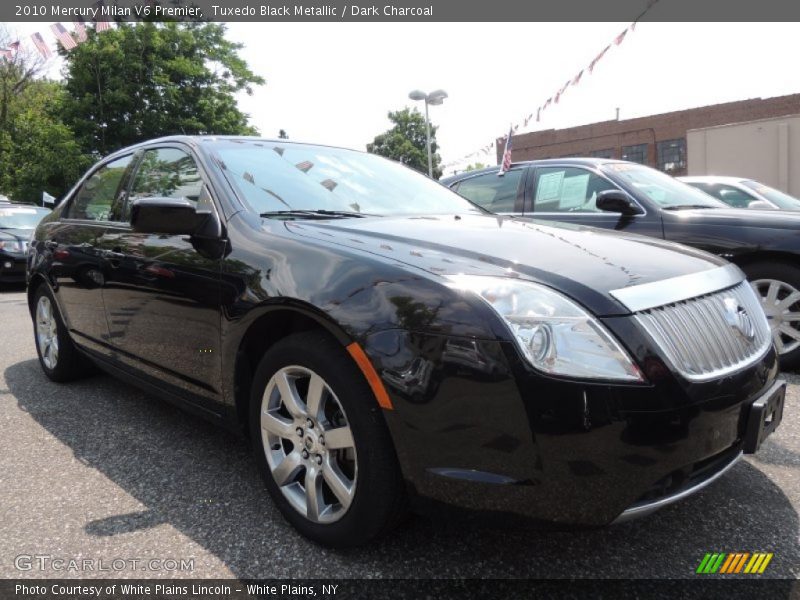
<point>708,336</point>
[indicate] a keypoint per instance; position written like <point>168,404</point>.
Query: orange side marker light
<point>372,376</point>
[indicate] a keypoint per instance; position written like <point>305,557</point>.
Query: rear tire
<point>777,284</point>
<point>58,357</point>
<point>321,443</point>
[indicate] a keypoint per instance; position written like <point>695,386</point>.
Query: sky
<point>334,83</point>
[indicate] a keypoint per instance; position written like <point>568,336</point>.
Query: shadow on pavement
<point>201,481</point>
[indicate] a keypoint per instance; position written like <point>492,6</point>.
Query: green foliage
<point>37,150</point>
<point>475,167</point>
<point>140,81</point>
<point>406,142</point>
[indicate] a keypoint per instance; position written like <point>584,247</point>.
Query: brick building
<point>656,140</point>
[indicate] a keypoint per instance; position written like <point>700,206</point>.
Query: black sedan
<point>385,343</point>
<point>630,197</point>
<point>17,222</point>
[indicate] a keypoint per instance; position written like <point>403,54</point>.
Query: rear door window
<point>495,193</point>
<point>94,199</point>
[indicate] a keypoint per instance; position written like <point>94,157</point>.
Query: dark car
<point>17,222</point>
<point>630,197</point>
<point>380,339</point>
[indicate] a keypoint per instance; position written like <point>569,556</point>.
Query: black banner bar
<point>401,10</point>
<point>390,589</point>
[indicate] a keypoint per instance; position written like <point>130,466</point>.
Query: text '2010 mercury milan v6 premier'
<point>385,343</point>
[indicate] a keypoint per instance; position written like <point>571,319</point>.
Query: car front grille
<point>710,335</point>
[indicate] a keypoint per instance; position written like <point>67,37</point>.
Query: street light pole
<point>435,98</point>
<point>428,139</point>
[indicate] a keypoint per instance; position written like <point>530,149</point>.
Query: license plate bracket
<point>766,414</point>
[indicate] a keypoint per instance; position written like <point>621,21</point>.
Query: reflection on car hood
<point>584,262</point>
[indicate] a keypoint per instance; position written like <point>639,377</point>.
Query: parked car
<point>738,192</point>
<point>634,198</point>
<point>17,222</point>
<point>381,339</point>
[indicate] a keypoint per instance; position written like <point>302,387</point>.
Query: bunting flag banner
<point>14,47</point>
<point>570,82</point>
<point>63,36</point>
<point>5,53</point>
<point>597,59</point>
<point>80,31</point>
<point>41,46</point>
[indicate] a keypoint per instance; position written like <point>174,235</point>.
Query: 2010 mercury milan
<point>381,339</point>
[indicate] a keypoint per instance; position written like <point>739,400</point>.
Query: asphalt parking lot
<point>99,470</point>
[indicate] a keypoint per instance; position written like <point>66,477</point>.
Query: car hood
<point>740,217</point>
<point>584,262</point>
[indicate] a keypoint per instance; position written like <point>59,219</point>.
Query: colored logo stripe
<point>720,562</point>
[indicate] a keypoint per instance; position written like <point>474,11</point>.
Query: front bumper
<point>12,268</point>
<point>476,429</point>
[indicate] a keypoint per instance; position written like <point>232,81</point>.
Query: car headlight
<point>555,334</point>
<point>11,245</point>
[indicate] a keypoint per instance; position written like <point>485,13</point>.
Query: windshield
<point>659,187</point>
<point>278,177</point>
<point>21,218</point>
<point>784,201</point>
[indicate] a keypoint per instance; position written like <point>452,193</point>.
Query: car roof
<point>712,179</point>
<point>199,140</point>
<point>578,161</point>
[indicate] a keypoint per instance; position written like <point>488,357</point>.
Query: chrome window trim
<point>641,297</point>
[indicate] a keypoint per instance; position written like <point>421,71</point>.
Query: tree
<point>38,151</point>
<point>42,152</point>
<point>144,80</point>
<point>283,135</point>
<point>475,167</point>
<point>406,142</point>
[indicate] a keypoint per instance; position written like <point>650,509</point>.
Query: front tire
<point>321,443</point>
<point>58,357</point>
<point>777,284</point>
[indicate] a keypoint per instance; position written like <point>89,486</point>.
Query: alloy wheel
<point>308,444</point>
<point>47,332</point>
<point>781,303</point>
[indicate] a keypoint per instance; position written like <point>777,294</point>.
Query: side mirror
<point>174,216</point>
<point>617,201</point>
<point>760,205</point>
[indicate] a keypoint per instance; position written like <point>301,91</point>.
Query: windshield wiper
<point>312,214</point>
<point>688,206</point>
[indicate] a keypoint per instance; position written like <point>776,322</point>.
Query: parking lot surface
<point>102,471</point>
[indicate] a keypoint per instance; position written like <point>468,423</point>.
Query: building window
<point>672,155</point>
<point>637,153</point>
<point>604,153</point>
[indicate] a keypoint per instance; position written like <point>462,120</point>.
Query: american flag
<point>101,25</point>
<point>507,154</point>
<point>41,46</point>
<point>63,36</point>
<point>80,30</point>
